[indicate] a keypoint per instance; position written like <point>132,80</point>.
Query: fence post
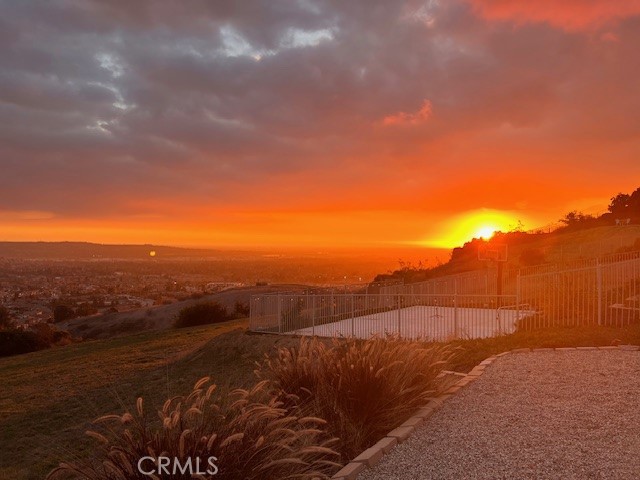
<point>599,287</point>
<point>279,314</point>
<point>353,317</point>
<point>398,302</point>
<point>313,315</point>
<point>331,306</point>
<point>455,315</point>
<point>517,299</point>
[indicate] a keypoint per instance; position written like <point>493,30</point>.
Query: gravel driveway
<point>556,415</point>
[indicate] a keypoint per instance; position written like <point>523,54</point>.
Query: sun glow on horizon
<point>485,232</point>
<point>481,223</point>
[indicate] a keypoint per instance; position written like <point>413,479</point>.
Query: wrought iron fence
<point>430,317</point>
<point>479,282</point>
<point>605,291</point>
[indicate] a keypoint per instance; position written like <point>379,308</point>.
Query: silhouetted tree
<point>575,218</point>
<point>619,204</point>
<point>626,205</point>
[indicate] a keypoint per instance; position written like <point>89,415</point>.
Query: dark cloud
<point>227,103</point>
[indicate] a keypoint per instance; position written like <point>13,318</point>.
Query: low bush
<point>248,432</point>
<point>364,388</point>
<point>62,313</point>
<point>15,341</point>
<point>317,403</point>
<point>241,310</point>
<point>202,314</point>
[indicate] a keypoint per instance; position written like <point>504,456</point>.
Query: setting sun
<point>474,224</point>
<point>485,232</point>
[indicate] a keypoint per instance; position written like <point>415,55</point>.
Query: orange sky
<point>276,124</point>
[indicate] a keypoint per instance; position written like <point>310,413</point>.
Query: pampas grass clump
<point>248,431</point>
<point>363,388</point>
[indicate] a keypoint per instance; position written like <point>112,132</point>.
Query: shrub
<point>292,317</point>
<point>364,388</point>
<point>201,314</point>
<point>62,313</point>
<point>249,433</point>
<point>16,341</point>
<point>241,310</point>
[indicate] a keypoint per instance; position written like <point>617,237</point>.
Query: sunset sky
<point>312,123</point>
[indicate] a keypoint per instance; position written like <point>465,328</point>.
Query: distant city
<point>32,288</point>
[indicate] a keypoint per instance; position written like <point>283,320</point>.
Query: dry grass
<point>248,431</point>
<point>49,398</point>
<point>363,388</point>
<point>471,352</point>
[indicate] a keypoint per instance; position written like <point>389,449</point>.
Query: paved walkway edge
<point>372,455</point>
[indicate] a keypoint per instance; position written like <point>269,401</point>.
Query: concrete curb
<point>372,455</point>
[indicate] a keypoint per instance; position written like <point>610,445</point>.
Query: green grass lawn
<point>49,398</point>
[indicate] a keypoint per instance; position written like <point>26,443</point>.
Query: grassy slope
<point>158,317</point>
<point>48,398</point>
<point>585,243</point>
<point>559,247</point>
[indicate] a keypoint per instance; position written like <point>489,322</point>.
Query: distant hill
<point>86,250</point>
<point>580,237</point>
<point>562,246</point>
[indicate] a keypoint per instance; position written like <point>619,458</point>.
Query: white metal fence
<point>591,292</point>
<point>432,317</point>
<point>478,282</point>
<point>604,293</point>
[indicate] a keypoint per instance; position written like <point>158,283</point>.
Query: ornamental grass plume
<point>364,388</point>
<point>248,432</point>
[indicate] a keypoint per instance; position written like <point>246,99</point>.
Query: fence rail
<point>579,263</point>
<point>432,317</point>
<point>479,282</point>
<point>605,292</point>
<point>600,294</point>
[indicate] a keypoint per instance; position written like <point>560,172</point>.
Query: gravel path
<point>542,415</point>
